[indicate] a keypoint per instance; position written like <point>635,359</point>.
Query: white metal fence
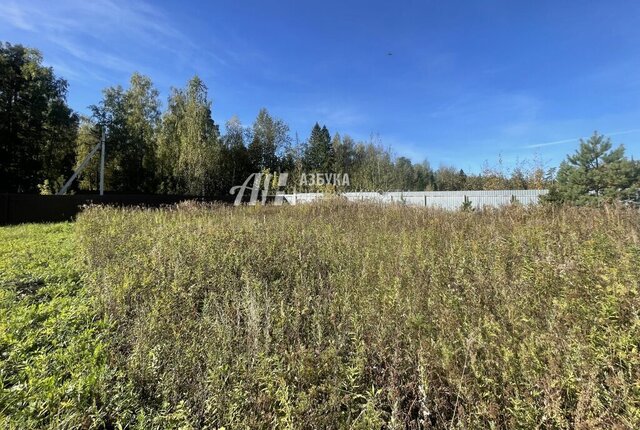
<point>439,199</point>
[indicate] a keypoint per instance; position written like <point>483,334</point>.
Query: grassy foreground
<point>52,360</point>
<point>348,316</point>
<point>329,316</point>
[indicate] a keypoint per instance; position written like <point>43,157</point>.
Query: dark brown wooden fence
<point>22,208</point>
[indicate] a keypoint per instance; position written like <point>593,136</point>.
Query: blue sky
<point>467,81</point>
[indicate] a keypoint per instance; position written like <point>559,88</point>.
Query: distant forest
<point>181,150</point>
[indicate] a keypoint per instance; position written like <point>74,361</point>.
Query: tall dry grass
<point>357,316</point>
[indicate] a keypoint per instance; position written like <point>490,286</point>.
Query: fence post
<point>102,155</point>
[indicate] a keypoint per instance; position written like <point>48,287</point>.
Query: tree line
<point>181,150</point>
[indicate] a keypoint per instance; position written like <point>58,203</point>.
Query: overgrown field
<point>352,316</point>
<point>322,316</point>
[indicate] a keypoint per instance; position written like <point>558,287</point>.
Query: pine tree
<point>596,172</point>
<point>319,156</point>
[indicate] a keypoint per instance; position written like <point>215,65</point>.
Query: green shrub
<point>359,316</point>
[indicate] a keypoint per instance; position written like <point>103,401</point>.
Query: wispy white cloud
<point>12,14</point>
<point>112,35</point>
<point>575,139</point>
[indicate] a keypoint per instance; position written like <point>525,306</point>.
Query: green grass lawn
<point>52,358</point>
